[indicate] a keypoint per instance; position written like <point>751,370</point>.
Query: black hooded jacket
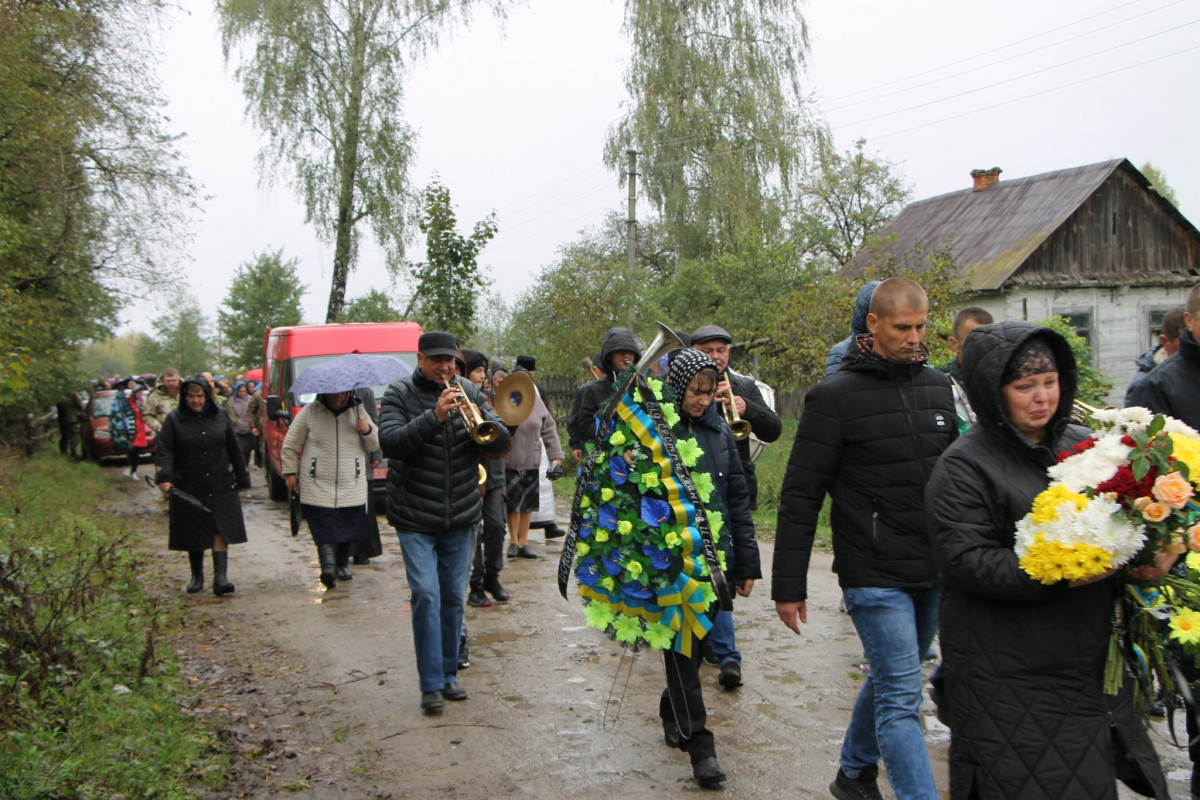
<point>869,437</point>
<point>433,467</point>
<point>1023,662</point>
<point>591,396</point>
<point>198,453</point>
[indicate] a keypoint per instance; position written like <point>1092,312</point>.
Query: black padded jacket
<point>433,467</point>
<point>869,437</point>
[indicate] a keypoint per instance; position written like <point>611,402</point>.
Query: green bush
<point>87,706</point>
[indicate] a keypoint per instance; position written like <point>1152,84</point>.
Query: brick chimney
<point>985,177</point>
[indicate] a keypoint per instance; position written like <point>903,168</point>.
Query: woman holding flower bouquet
<point>1024,659</point>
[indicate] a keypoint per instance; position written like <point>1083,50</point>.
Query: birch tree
<point>716,110</point>
<point>324,81</point>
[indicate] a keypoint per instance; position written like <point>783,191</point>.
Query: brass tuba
<point>740,427</point>
<point>483,431</point>
<point>514,398</point>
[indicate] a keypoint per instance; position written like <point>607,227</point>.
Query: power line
<point>1036,94</point>
<point>1025,75</point>
<point>990,63</point>
<point>974,56</point>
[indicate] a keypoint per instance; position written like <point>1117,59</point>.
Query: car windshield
<point>299,365</point>
<point>102,405</point>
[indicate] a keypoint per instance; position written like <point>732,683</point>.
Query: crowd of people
<point>926,471</point>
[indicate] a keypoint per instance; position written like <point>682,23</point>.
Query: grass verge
<point>90,705</point>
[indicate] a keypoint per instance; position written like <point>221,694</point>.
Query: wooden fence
<point>26,430</point>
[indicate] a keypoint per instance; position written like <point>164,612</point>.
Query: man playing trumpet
<point>747,401</point>
<point>433,500</point>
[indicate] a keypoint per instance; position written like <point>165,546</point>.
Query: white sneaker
<point>133,476</point>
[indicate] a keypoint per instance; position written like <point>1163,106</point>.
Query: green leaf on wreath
<point>1140,467</point>
<point>1155,425</point>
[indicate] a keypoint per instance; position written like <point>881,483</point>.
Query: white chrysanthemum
<point>1097,524</point>
<point>1134,418</point>
<point>1026,534</point>
<point>1091,467</point>
<point>1179,428</point>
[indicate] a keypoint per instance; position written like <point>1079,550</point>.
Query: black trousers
<point>682,702</point>
<point>489,550</point>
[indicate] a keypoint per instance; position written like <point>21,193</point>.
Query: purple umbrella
<point>349,372</point>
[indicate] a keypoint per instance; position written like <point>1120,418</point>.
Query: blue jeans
<point>436,566</point>
<point>896,627</point>
<point>721,640</point>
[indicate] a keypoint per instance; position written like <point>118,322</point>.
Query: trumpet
<point>1081,412</point>
<point>483,431</point>
<point>741,428</point>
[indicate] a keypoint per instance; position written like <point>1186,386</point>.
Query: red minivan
<point>291,350</point>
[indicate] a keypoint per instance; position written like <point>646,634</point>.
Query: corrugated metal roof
<point>994,230</point>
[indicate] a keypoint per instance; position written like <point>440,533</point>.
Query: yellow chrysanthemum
<point>650,480</point>
<point>1043,565</point>
<point>1085,561</point>
<point>1185,626</point>
<point>634,568</point>
<point>1045,505</point>
<point>1187,450</point>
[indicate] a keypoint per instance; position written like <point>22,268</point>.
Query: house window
<point>1081,321</point>
<point>1156,323</point>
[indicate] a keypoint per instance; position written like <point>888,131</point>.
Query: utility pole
<point>631,230</point>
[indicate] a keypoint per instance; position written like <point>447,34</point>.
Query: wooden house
<point>1094,244</point>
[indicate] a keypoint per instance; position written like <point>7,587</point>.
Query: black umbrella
<point>294,511</point>
<point>189,501</point>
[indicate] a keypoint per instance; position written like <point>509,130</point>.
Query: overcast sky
<point>514,121</point>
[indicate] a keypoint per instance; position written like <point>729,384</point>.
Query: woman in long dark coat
<point>1023,662</point>
<point>198,453</point>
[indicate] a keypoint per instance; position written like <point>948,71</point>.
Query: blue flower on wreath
<point>608,517</point>
<point>655,512</point>
<point>585,531</point>
<point>618,470</point>
<point>588,572</point>
<point>635,589</point>
<point>612,565</point>
<point>659,559</point>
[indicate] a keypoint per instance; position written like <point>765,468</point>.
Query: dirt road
<point>317,690</point>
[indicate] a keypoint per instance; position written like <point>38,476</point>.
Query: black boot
<point>343,562</point>
<point>196,557</point>
<point>327,555</point>
<point>221,584</point>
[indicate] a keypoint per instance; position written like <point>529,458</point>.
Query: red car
<point>97,443</point>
